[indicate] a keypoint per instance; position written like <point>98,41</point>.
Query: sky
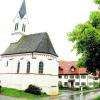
<point>57,17</point>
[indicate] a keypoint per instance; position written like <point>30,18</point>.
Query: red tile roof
<point>66,66</point>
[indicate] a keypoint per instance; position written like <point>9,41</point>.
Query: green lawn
<point>98,98</point>
<point>19,93</point>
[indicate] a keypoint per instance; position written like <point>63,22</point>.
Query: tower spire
<point>22,10</point>
<point>20,22</point>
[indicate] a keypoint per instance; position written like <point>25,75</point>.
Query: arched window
<point>16,26</point>
<point>41,67</point>
<point>23,27</point>
<point>7,63</point>
<point>28,67</point>
<point>18,67</point>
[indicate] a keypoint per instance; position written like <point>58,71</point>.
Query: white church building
<point>29,59</point>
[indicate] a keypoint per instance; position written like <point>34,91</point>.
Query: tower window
<point>18,67</point>
<point>41,67</point>
<point>23,28</point>
<point>28,67</point>
<point>16,26</point>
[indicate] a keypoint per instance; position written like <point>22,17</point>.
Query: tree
<point>86,39</point>
<point>97,1</point>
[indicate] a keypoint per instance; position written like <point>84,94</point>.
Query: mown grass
<point>19,93</point>
<point>98,98</point>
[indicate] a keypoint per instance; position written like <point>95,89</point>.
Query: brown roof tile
<point>67,65</point>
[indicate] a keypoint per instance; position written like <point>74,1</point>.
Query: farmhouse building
<point>73,77</point>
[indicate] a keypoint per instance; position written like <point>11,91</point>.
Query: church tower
<point>20,23</point>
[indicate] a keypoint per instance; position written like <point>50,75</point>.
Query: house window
<point>65,84</point>
<point>83,83</point>
<point>28,67</point>
<point>18,67</point>
<point>65,76</point>
<point>77,76</point>
<point>60,76</point>
<point>41,67</point>
<point>16,26</point>
<point>72,69</point>
<point>71,76</point>
<point>23,27</point>
<point>83,76</point>
<point>77,83</point>
<point>7,64</point>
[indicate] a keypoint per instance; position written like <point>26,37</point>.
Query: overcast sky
<point>57,17</point>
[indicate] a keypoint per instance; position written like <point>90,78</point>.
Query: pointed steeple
<point>22,11</point>
<point>20,22</point>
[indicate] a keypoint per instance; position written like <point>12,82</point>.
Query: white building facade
<point>75,81</point>
<point>20,70</point>
<point>73,77</point>
<point>30,59</point>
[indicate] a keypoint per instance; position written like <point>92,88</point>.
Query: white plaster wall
<point>21,81</point>
<point>87,80</point>
<point>50,66</point>
<point>47,81</point>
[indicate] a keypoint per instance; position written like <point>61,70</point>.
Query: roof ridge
<point>36,33</point>
<point>39,43</point>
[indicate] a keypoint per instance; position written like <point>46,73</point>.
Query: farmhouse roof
<point>65,68</point>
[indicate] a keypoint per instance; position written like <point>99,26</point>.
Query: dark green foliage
<point>60,84</point>
<point>97,1</point>
<point>86,38</point>
<point>85,87</point>
<point>96,85</point>
<point>33,90</point>
<point>95,19</point>
<point>67,88</point>
<point>0,88</point>
<point>98,98</point>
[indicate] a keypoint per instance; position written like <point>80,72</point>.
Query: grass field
<point>20,94</point>
<point>98,98</point>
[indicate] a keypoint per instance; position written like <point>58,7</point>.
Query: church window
<point>40,67</point>
<point>28,67</point>
<point>23,27</point>
<point>16,26</point>
<point>18,67</point>
<point>7,63</point>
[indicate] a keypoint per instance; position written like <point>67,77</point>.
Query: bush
<point>96,84</point>
<point>85,87</point>
<point>33,90</point>
<point>0,88</point>
<point>60,84</point>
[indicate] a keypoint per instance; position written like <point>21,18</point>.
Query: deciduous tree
<point>86,39</point>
